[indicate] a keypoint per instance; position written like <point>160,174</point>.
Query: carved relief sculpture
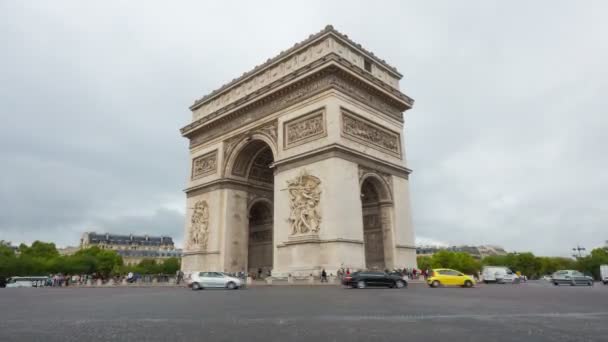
<point>204,165</point>
<point>304,196</point>
<point>199,226</point>
<point>304,129</point>
<point>369,133</point>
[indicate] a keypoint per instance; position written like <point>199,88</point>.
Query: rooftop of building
<point>149,254</point>
<point>129,239</point>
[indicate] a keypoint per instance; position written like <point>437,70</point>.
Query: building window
<point>367,65</point>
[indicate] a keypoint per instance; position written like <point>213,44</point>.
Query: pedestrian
<point>178,277</point>
<point>348,271</point>
<point>260,273</point>
<point>323,276</point>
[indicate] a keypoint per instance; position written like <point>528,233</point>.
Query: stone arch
<point>381,185</point>
<point>234,149</point>
<point>257,200</point>
<point>377,211</point>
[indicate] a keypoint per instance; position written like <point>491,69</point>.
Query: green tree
<point>425,262</point>
<point>170,266</point>
<point>39,249</point>
<point>460,261</point>
<point>590,264</point>
<point>5,250</point>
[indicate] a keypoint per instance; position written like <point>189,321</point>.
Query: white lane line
<point>331,318</point>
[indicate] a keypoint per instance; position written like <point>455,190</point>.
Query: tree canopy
<point>42,258</point>
<point>525,263</point>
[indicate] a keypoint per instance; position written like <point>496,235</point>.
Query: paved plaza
<point>532,312</point>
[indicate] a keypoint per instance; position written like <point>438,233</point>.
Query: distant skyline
<point>506,138</point>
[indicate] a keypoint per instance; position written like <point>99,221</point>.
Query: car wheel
<point>196,286</point>
<point>361,284</point>
<point>231,286</point>
<point>590,283</point>
<point>468,283</point>
<point>435,283</point>
<point>399,284</point>
<point>486,282</point>
<point>556,284</point>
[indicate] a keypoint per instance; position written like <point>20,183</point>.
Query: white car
<point>19,283</point>
<point>204,280</point>
<point>571,277</point>
<point>499,274</point>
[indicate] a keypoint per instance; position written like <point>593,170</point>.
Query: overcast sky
<point>507,138</point>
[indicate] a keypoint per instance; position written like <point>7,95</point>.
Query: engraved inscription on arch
<point>304,129</point>
<point>204,165</point>
<point>361,130</point>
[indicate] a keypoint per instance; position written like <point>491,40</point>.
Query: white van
<point>499,274</point>
<point>604,274</point>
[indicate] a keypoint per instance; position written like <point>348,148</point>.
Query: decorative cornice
<point>327,31</point>
<point>343,152</point>
<point>334,64</point>
<point>319,241</point>
<point>225,183</point>
<point>406,246</point>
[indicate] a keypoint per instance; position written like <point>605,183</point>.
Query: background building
<point>133,248</point>
<point>475,251</point>
<point>68,250</point>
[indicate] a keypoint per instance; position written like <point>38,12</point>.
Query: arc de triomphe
<point>299,165</point>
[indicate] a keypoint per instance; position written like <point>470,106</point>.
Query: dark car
<point>2,281</point>
<point>364,279</point>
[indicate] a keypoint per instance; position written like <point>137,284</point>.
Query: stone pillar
<point>339,240</point>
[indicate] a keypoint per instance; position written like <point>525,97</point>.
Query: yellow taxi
<point>448,277</point>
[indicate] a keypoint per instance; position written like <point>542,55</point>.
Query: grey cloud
<point>506,137</point>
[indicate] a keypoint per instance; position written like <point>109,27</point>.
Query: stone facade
<point>133,248</point>
<point>299,166</point>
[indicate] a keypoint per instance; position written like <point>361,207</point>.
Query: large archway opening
<point>259,252</point>
<point>372,195</point>
<point>254,165</point>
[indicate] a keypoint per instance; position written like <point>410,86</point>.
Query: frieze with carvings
<point>289,96</point>
<point>289,65</point>
<point>304,129</point>
<point>268,129</point>
<point>368,133</point>
<point>204,165</point>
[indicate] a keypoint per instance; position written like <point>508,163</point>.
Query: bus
<point>27,281</point>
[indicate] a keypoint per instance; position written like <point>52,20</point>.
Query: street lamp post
<point>578,249</point>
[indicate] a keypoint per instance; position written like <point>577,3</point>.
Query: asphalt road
<point>526,312</point>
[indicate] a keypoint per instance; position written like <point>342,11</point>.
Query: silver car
<point>204,280</point>
<point>571,277</point>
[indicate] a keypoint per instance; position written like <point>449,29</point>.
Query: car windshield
<point>577,274</point>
